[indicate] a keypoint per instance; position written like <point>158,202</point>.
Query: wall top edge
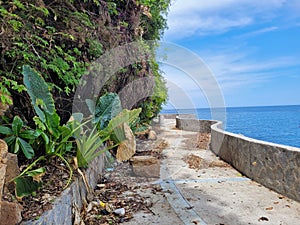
<point>216,127</point>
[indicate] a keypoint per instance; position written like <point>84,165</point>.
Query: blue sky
<point>251,47</point>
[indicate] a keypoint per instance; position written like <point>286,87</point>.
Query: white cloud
<point>230,68</point>
<point>258,32</point>
<point>238,63</point>
<point>190,74</point>
<point>233,70</point>
<point>190,17</point>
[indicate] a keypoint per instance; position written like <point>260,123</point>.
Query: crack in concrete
<point>185,210</point>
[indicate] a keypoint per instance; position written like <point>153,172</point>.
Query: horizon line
<point>232,107</point>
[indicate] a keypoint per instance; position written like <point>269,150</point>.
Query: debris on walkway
<point>195,187</point>
<point>193,161</point>
<point>118,197</point>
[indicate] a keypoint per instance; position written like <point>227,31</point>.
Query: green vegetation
<point>60,39</point>
<point>17,137</point>
<point>59,140</point>
<point>46,48</point>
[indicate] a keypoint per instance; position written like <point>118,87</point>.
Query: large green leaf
<point>107,107</point>
<point>26,148</point>
<point>30,134</point>
<point>17,125</point>
<point>39,93</point>
<point>53,124</point>
<point>10,141</point>
<point>5,130</point>
<point>114,127</point>
<point>26,186</point>
<point>37,174</point>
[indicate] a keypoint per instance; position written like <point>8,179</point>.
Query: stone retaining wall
<point>62,209</point>
<point>73,197</point>
<point>272,165</point>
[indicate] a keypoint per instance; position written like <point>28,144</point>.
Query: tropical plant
<point>90,146</point>
<point>118,130</point>
<point>109,123</point>
<point>106,108</point>
<point>114,128</point>
<point>17,137</point>
<point>29,181</point>
<point>113,124</point>
<point>56,137</point>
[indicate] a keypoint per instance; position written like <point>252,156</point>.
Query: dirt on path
<point>195,187</point>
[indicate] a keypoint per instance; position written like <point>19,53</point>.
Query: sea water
<point>277,124</point>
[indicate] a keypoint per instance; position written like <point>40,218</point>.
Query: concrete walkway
<point>212,192</point>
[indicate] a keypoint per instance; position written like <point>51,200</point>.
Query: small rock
<point>10,213</point>
<point>120,212</point>
<point>148,202</point>
<point>152,135</point>
<point>101,185</point>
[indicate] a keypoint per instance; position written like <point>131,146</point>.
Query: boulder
<point>3,151</point>
<point>10,213</point>
<point>12,171</point>
<point>127,147</point>
<point>3,155</point>
<point>2,178</point>
<point>152,135</point>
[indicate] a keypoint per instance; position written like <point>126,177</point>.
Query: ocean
<point>277,124</point>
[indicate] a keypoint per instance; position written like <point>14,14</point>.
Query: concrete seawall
<point>272,165</point>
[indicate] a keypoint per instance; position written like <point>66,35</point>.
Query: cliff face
<point>61,39</point>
